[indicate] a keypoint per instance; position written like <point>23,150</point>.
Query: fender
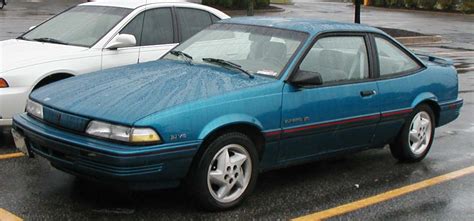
<point>227,120</point>
<point>423,97</point>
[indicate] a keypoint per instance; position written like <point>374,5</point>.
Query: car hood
<point>127,94</point>
<point>20,53</point>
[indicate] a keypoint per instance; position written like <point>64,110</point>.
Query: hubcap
<point>420,132</point>
<point>229,173</point>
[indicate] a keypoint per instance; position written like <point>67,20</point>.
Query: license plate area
<point>20,142</point>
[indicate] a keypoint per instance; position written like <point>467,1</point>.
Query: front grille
<point>65,120</point>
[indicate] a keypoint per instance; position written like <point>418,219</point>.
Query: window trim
<point>370,57</point>
<point>377,75</point>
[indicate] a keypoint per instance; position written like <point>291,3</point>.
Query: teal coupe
<point>240,97</point>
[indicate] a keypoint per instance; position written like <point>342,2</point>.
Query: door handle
<point>368,93</point>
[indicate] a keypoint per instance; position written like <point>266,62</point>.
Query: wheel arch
<point>432,101</point>
<point>52,77</point>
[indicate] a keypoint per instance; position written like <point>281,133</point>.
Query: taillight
<point>3,83</point>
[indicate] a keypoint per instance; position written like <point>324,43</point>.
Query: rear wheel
<point>415,140</point>
<point>226,172</point>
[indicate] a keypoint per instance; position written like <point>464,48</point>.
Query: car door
<point>127,55</point>
<point>398,86</point>
<point>159,34</point>
<point>340,114</point>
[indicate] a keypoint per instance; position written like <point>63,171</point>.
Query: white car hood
<point>20,53</point>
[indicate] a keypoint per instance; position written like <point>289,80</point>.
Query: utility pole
<point>357,12</point>
<point>250,7</point>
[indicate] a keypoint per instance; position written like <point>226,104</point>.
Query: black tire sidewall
<point>406,152</point>
<point>198,185</point>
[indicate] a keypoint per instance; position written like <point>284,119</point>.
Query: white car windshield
<point>257,50</point>
<point>81,25</point>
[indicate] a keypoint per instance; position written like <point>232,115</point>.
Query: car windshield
<point>257,50</point>
<point>81,25</point>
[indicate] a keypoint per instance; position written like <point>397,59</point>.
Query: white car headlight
<point>34,109</point>
<point>122,133</point>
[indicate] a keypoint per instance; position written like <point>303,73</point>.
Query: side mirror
<point>306,78</point>
<point>122,41</point>
<point>32,27</point>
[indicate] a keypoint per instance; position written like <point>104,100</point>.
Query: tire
<point>416,137</point>
<point>231,183</point>
<point>2,5</point>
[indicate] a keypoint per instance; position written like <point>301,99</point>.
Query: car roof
<point>311,26</point>
<point>132,4</point>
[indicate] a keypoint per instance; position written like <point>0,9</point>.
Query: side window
<point>134,28</point>
<point>338,59</point>
<point>158,27</point>
<point>191,21</point>
<point>392,60</point>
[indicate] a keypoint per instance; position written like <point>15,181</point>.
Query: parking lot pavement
<point>30,189</point>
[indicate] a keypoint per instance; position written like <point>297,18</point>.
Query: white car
<point>91,37</point>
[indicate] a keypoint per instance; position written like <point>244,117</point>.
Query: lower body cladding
<point>155,168</point>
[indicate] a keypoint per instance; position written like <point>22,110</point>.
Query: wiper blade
<point>51,40</point>
<point>23,38</point>
<point>227,64</point>
<point>187,57</point>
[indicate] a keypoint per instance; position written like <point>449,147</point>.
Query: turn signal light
<point>3,83</point>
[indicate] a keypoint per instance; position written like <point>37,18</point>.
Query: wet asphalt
<point>32,190</point>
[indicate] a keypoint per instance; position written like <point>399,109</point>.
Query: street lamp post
<point>357,12</point>
<point>250,7</point>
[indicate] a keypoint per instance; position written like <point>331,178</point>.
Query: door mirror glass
<point>122,41</point>
<point>306,78</point>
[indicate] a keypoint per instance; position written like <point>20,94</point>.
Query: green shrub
<point>444,4</point>
<point>467,6</point>
<point>379,3</point>
<point>394,3</point>
<point>409,3</point>
<point>236,4</point>
<point>425,4</point>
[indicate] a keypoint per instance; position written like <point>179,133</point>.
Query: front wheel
<point>415,140</point>
<point>2,4</point>
<point>226,172</point>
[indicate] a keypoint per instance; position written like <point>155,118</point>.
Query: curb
<point>417,40</point>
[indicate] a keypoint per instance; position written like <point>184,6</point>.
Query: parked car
<point>91,37</point>
<point>242,96</point>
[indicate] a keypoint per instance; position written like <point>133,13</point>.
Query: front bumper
<point>12,101</point>
<point>159,166</point>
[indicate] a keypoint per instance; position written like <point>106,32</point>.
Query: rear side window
<point>392,60</point>
<point>158,27</point>
<point>191,21</point>
<point>338,59</point>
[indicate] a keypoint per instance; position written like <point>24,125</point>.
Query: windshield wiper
<point>228,64</point>
<point>186,56</point>
<point>23,38</point>
<point>50,40</point>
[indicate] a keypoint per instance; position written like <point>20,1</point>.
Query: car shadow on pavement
<point>308,186</point>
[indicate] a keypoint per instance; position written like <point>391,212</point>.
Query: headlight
<point>122,133</point>
<point>34,109</point>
